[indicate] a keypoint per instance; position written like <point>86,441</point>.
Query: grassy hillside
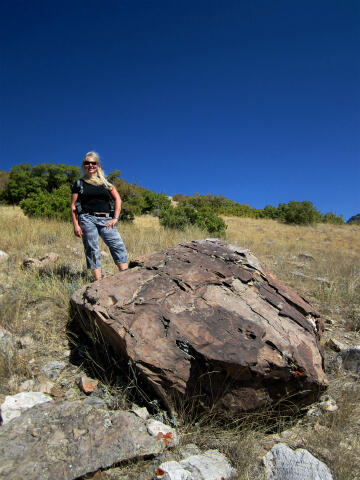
<point>320,262</point>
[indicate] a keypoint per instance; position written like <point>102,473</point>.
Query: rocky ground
<point>40,352</point>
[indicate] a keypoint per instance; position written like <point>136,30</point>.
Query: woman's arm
<point>115,195</point>
<point>74,216</point>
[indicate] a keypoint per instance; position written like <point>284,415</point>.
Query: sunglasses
<point>87,164</point>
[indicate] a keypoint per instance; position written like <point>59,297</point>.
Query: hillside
<point>320,262</point>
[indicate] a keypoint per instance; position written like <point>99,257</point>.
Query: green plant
<point>25,180</point>
<point>299,213</point>
<point>331,217</point>
<point>45,204</point>
<point>186,215</point>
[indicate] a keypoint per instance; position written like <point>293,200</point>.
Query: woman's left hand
<point>112,223</point>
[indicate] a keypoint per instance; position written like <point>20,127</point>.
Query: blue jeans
<point>92,227</point>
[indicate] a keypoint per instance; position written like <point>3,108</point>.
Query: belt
<point>97,214</point>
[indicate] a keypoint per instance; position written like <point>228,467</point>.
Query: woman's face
<point>90,165</point>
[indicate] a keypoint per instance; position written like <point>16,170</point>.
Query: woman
<point>91,213</point>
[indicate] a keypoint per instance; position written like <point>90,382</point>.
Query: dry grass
<point>36,306</point>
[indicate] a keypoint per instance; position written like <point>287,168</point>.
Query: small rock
<point>141,412</point>
<point>328,404</point>
<point>323,280</point>
<point>162,432</point>
<point>87,385</point>
<point>330,321</point>
<point>306,256</point>
<point>315,412</point>
<point>53,369</point>
<point>207,466</point>
<point>350,359</point>
<point>189,449</point>
<point>45,386</point>
<point>7,341</point>
<point>14,405</point>
<point>50,257</point>
<point>25,342</point>
<point>283,463</point>
<point>31,263</point>
<point>27,386</point>
<point>95,402</point>
<point>335,345</point>
<point>3,256</point>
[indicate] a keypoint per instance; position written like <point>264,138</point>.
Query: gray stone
<point>3,256</point>
<point>283,463</point>
<point>306,256</point>
<point>7,341</point>
<point>350,359</point>
<point>141,412</point>
<point>208,466</point>
<point>14,405</point>
<point>328,404</point>
<point>335,345</point>
<point>70,439</point>
<point>53,369</point>
<point>188,450</point>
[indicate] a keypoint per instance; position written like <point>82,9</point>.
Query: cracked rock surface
<point>206,320</point>
<point>70,439</point>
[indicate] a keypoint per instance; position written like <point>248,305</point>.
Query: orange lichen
<point>160,472</point>
<point>296,372</point>
<point>166,438</point>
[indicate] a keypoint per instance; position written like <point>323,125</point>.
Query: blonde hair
<point>100,178</point>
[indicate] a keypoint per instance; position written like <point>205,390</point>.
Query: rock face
<point>206,320</point>
<point>70,439</point>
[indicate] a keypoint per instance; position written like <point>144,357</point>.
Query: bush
<point>299,213</point>
<point>331,217</point>
<point>45,204</point>
<point>25,180</point>
<point>186,215</point>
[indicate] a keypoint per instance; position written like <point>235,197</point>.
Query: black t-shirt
<point>94,198</point>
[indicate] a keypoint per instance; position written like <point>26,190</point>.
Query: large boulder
<point>205,320</point>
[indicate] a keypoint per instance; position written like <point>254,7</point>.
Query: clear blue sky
<point>252,99</point>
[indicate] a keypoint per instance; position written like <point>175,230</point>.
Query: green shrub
<point>331,217</point>
<point>186,215</point>
<point>176,218</point>
<point>299,213</point>
<point>45,204</point>
<point>25,180</point>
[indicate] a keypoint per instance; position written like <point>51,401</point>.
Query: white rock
<point>173,471</point>
<point>350,359</point>
<point>14,405</point>
<point>328,404</point>
<point>3,255</point>
<point>211,464</point>
<point>141,412</point>
<point>282,463</point>
<point>207,466</point>
<point>53,369</point>
<point>162,432</point>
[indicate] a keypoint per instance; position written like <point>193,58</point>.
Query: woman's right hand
<point>78,231</point>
